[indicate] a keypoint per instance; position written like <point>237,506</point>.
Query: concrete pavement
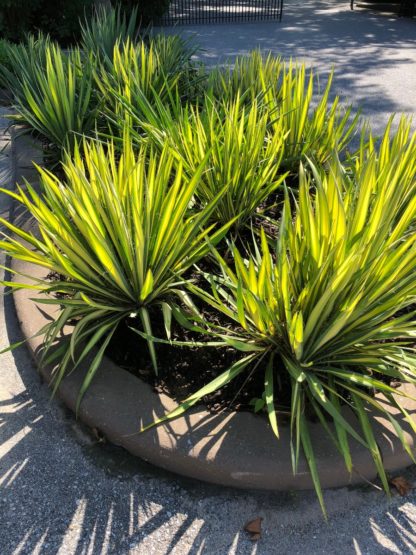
<point>62,491</point>
<point>373,54</point>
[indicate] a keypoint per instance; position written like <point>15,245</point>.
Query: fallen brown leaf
<point>401,484</point>
<point>253,527</point>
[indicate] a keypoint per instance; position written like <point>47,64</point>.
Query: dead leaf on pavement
<point>253,527</point>
<point>401,484</point>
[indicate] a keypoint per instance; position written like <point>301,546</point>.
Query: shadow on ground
<point>373,54</point>
<point>64,491</point>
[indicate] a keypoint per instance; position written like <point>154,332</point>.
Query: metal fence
<point>221,11</point>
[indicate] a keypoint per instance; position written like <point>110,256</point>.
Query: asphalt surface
<point>64,491</point>
<point>373,54</point>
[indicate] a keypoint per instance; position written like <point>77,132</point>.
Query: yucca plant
<point>247,80</point>
<point>315,125</point>
<point>108,26</point>
<point>395,156</point>
<point>249,76</point>
<point>158,70</point>
<point>24,60</point>
<point>244,155</point>
<point>174,53</point>
<point>315,132</point>
<point>55,96</point>
<point>119,232</point>
<point>6,49</point>
<point>330,305</point>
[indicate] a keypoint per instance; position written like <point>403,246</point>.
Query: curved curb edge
<point>232,449</point>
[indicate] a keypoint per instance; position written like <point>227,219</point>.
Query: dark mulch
<point>184,370</point>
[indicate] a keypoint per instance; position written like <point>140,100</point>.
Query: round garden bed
<point>234,448</point>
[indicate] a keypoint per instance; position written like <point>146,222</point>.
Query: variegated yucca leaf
<point>315,124</point>
<point>119,231</point>
<point>55,95</point>
<point>331,303</point>
<point>106,28</point>
<point>243,155</point>
<point>156,70</point>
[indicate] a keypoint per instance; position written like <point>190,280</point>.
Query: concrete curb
<point>234,449</point>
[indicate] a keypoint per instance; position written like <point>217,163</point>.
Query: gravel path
<point>64,492</point>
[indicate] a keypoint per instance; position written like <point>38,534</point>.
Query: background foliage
<point>149,10</point>
<point>59,18</point>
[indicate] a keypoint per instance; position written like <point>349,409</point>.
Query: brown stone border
<point>237,449</point>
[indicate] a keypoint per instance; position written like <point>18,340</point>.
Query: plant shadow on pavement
<point>64,490</point>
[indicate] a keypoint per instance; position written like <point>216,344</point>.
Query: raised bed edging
<point>232,449</point>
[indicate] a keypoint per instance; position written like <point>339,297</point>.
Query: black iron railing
<point>221,11</point>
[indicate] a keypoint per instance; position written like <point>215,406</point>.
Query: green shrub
<point>155,71</point>
<point>119,232</point>
<point>329,304</point>
<point>59,18</point>
<point>316,126</point>
<point>149,11</point>
<point>17,18</point>
<point>244,157</point>
<point>54,94</point>
<point>106,28</point>
<point>6,64</point>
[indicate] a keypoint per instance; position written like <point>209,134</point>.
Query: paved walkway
<point>63,492</point>
<point>374,55</point>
